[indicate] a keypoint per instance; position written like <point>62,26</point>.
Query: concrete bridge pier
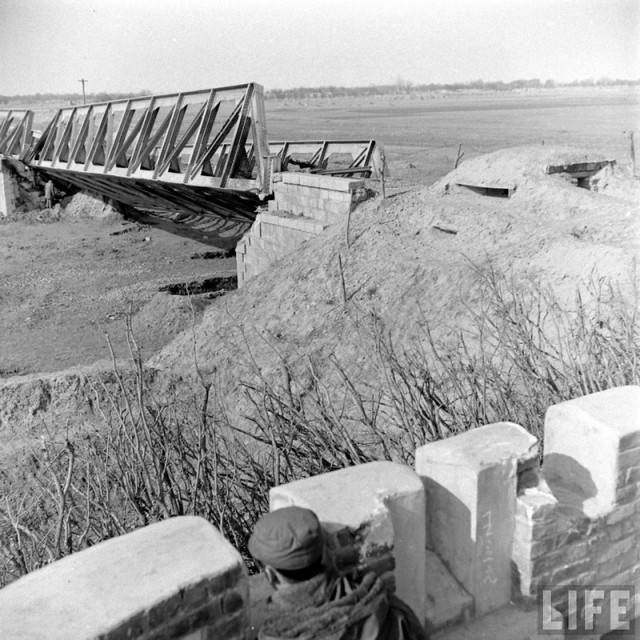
<point>8,189</point>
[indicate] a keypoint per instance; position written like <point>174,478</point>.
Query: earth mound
<point>413,260</point>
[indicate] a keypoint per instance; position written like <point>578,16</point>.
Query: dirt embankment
<point>409,260</point>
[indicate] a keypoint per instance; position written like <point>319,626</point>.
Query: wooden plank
<point>148,120</point>
<point>239,137</point>
<point>114,150</point>
<point>179,146</point>
<point>148,148</point>
<point>82,134</point>
<point>63,140</point>
<point>177,116</point>
<point>99,139</point>
<point>207,115</point>
<point>215,143</point>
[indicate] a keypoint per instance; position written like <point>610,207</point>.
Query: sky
<point>168,46</point>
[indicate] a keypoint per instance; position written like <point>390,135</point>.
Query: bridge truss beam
<point>197,138</point>
<point>199,161</point>
<point>15,133</point>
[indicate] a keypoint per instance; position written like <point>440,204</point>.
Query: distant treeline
<point>405,87</point>
<point>71,98</point>
<point>399,87</point>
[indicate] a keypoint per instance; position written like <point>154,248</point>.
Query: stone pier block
<point>175,579</point>
<point>322,182</point>
<point>384,500</point>
<point>587,442</point>
<point>8,189</point>
<point>470,482</point>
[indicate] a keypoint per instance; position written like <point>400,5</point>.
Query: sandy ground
<point>67,282</point>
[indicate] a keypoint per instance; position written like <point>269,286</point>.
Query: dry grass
<point>159,457</point>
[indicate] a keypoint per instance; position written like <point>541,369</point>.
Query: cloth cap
<point>289,539</point>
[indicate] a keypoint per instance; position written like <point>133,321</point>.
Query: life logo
<point>587,611</point>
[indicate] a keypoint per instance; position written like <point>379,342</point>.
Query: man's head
<point>288,543</point>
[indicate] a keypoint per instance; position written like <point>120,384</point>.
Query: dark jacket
<point>325,608</point>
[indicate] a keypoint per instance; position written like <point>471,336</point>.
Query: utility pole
<point>84,98</point>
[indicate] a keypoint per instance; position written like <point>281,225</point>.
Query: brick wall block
<point>629,457</point>
<point>627,493</point>
<point>623,512</point>
<point>166,580</point>
<point>382,505</point>
<point>629,475</point>
<point>569,571</point>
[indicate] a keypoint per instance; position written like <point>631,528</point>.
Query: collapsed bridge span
<point>197,163</point>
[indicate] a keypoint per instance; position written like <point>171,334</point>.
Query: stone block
<point>322,182</point>
<point>273,236</point>
<point>507,623</point>
<point>128,581</point>
<point>385,502</point>
<point>470,482</point>
<point>336,208</point>
<point>338,196</point>
<point>298,202</point>
<point>307,225</point>
<point>584,440</point>
<point>447,602</point>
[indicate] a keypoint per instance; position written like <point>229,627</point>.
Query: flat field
<point>64,282</point>
<point>424,130</point>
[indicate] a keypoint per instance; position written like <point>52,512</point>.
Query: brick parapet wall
<point>573,522</point>
<point>553,548</point>
<point>344,554</point>
<point>582,527</point>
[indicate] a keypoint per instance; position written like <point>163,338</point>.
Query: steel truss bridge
<point>197,163</point>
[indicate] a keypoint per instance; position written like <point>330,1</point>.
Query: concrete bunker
<point>580,172</point>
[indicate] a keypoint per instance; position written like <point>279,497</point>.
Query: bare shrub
<point>159,456</point>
